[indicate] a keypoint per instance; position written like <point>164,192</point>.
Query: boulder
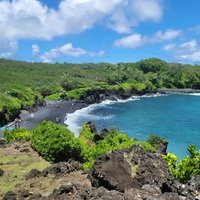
<point>132,168</point>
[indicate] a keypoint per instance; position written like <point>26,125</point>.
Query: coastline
<point>61,109</point>
<point>50,112</point>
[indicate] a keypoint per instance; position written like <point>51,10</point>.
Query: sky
<point>100,30</point>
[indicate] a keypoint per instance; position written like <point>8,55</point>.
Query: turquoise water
<point>175,117</point>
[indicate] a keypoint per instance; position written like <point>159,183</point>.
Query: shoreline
<point>50,112</point>
<point>61,109</point>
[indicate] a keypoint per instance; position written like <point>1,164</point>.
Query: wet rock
<point>34,173</point>
<point>10,196</point>
<point>1,172</point>
<point>132,168</point>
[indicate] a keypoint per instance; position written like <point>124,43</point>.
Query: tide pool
<point>174,117</point>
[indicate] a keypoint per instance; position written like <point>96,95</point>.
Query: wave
<point>76,119</point>
<point>195,94</point>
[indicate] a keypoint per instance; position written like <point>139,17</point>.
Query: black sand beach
<point>50,112</point>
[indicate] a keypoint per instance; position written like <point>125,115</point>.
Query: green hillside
<point>23,84</point>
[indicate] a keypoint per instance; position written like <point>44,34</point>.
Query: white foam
<point>75,120</point>
<point>195,94</point>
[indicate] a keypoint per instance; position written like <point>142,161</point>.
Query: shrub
<point>113,141</point>
<point>187,167</point>
<point>20,134</point>
<point>54,142</point>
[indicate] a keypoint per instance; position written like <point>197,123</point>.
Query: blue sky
<point>100,30</point>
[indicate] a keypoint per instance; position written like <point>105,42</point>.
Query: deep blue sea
<point>175,117</point>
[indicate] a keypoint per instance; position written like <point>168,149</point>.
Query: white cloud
<point>191,57</point>
<point>169,47</point>
<point>167,35</point>
<point>188,51</point>
<point>189,46</point>
<point>131,12</point>
<point>31,19</point>
<point>132,41</point>
<point>35,49</point>
<point>68,50</point>
<point>24,19</point>
<point>137,40</point>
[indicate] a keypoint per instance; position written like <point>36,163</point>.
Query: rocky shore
<point>129,174</point>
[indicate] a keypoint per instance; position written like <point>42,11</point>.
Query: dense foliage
<point>23,84</point>
<point>185,168</point>
<point>20,134</point>
<point>54,142</point>
<point>115,140</point>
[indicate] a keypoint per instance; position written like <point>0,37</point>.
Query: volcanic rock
<point>132,168</point>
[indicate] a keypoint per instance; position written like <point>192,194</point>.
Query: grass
<point>16,167</point>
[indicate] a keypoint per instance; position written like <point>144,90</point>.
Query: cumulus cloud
<point>131,12</point>
<point>35,49</point>
<point>68,50</point>
<point>24,19</point>
<point>188,51</point>
<point>137,40</point>
<point>31,19</point>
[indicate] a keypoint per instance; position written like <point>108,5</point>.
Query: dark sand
<point>50,112</point>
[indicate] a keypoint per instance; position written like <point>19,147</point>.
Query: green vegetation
<point>54,142</point>
<point>24,85</point>
<point>184,169</point>
<point>115,140</point>
<point>20,134</point>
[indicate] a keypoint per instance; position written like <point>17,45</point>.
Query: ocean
<point>174,117</point>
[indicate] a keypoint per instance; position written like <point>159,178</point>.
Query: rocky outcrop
<point>159,143</point>
<point>57,169</point>
<point>132,168</point>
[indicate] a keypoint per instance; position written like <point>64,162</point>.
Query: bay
<point>174,117</point>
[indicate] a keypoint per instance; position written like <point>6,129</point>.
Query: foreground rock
<point>130,174</point>
<point>132,168</point>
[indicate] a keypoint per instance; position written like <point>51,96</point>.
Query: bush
<point>113,141</point>
<point>187,167</point>
<point>20,134</point>
<point>54,142</point>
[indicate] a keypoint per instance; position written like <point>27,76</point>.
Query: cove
<point>174,117</point>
